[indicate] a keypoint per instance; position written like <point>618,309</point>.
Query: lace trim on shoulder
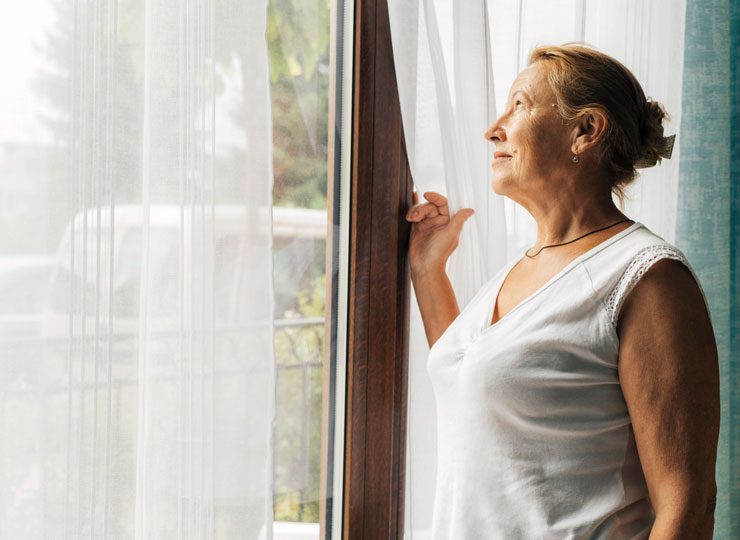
<point>644,259</point>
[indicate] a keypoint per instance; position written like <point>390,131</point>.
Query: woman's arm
<point>437,302</point>
<point>434,236</point>
<point>669,374</point>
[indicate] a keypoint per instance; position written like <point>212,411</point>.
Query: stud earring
<point>576,159</point>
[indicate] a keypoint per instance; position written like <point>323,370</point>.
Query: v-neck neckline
<point>493,299</point>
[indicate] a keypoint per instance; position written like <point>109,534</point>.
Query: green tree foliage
<point>298,55</point>
<point>298,49</point>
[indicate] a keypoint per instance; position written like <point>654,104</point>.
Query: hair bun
<point>654,146</point>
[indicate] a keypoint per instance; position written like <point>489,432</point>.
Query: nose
<point>495,133</point>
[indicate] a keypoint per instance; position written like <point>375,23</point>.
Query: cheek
<point>528,147</point>
<point>543,144</point>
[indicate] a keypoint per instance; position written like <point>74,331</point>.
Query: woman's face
<point>532,145</point>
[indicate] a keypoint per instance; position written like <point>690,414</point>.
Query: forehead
<point>532,80</point>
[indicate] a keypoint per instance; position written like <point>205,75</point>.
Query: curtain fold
<point>444,78</point>
<point>140,400</point>
<point>455,62</point>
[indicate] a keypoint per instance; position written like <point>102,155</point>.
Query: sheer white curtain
<point>455,62</point>
<point>136,365</point>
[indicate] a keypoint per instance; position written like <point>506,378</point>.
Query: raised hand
<point>434,235</point>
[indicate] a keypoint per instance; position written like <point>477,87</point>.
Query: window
<point>140,362</point>
<point>309,66</point>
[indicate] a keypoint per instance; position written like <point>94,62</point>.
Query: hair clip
<point>664,150</point>
<point>666,147</point>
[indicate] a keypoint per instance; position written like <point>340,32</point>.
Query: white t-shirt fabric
<point>534,437</point>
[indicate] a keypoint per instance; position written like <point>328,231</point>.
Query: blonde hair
<point>582,78</point>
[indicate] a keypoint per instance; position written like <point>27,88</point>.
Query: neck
<point>570,217</point>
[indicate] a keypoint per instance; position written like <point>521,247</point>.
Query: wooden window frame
<point>377,355</point>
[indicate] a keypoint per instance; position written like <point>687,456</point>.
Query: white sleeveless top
<point>534,437</point>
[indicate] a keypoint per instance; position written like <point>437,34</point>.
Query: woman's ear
<point>590,130</point>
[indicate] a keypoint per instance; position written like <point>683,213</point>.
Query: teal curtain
<point>708,219</point>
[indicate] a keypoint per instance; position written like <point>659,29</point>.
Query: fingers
<point>457,220</point>
<point>415,196</point>
<point>439,200</point>
<point>437,205</point>
<point>422,212</point>
<point>433,222</point>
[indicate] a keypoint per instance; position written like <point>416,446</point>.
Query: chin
<point>499,185</point>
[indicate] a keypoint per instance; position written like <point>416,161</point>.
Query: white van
<point>175,238</point>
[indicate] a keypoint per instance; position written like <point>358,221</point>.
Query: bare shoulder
<point>665,332</point>
<point>667,297</point>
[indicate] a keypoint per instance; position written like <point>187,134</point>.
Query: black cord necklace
<point>571,241</point>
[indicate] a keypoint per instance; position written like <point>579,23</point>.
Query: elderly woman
<point>577,392</point>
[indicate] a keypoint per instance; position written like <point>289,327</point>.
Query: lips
<point>500,155</point>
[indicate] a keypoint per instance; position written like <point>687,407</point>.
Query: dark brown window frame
<point>377,355</point>
<point>378,296</point>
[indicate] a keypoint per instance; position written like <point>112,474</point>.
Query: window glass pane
<point>299,37</point>
<point>137,356</point>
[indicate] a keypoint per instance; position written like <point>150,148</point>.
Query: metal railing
<point>299,374</point>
